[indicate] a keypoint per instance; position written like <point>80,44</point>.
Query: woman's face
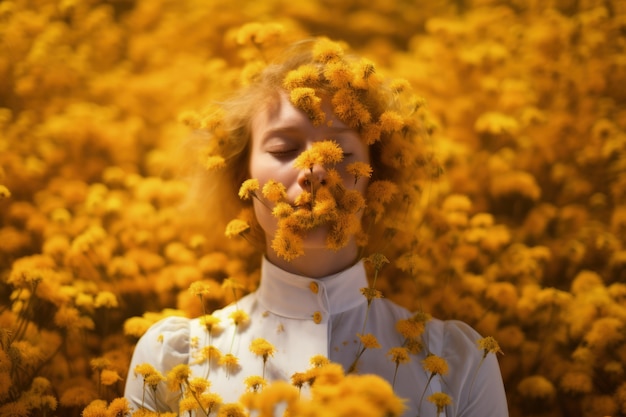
<point>281,132</point>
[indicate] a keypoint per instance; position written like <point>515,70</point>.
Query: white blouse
<point>282,311</point>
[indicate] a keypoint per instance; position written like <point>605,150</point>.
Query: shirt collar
<point>299,297</point>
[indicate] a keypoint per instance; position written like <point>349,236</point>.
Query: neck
<point>317,262</point>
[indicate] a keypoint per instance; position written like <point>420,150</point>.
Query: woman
<point>332,155</point>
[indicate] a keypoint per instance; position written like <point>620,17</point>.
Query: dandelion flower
<point>399,355</point>
<point>178,376</point>
<point>359,170</point>
<point>236,227</point>
<point>305,99</point>
<point>371,293</point>
<point>317,361</point>
<point>254,383</point>
<point>378,260</point>
<point>441,400</point>
<point>239,317</point>
<point>390,122</point>
<point>230,362</point>
<point>536,387</point>
<point>213,162</point>
<point>248,188</point>
<point>410,329</point>
<point>435,365</point>
<point>287,245</point>
<point>304,76</point>
<point>118,407</point>
<point>326,50</point>
<point>263,348</point>
<point>274,191</point>
<point>321,153</point>
<point>109,377</point>
<point>369,341</point>
<point>282,210</point>
<point>199,288</point>
<point>96,408</point>
<point>489,345</point>
<point>232,410</point>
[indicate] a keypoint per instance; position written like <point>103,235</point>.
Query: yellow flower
<point>381,191</point>
<point>96,408</point>
<point>399,355</point>
<point>255,383</point>
<point>232,410</point>
<point>441,400</point>
<point>369,341</point>
<point>536,387</point>
<point>304,76</point>
<point>109,377</point>
<point>317,361</point>
<point>489,345</point>
<point>365,75</point>
<point>349,108</point>
<point>258,34</point>
<point>390,122</point>
<point>210,322</point>
<point>239,317</point>
<point>229,361</point>
<point>282,210</point>
<point>326,50</point>
<point>287,245</point>
<point>321,153</point>
<point>118,407</point>
<point>248,188</point>
<point>187,404</point>
<point>136,326</point>
<point>298,379</point>
<point>200,288</point>
<point>198,385</point>
<point>305,99</point>
<point>339,74</point>
<point>213,162</point>
<point>434,364</point>
<point>4,192</point>
<point>209,401</point>
<point>105,299</point>
<point>274,191</point>
<point>207,353</point>
<point>236,227</point>
<point>359,170</point>
<point>352,201</point>
<point>410,329</point>
<point>178,376</point>
<point>414,346</point>
<point>399,85</point>
<point>262,347</point>
<point>371,293</point>
<point>378,260</point>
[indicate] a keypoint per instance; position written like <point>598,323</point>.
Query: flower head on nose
<point>322,153</point>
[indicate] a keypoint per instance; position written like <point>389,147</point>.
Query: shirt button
<point>314,287</point>
<point>317,317</point>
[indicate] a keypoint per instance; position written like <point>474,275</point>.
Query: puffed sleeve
<point>477,383</point>
<point>164,345</point>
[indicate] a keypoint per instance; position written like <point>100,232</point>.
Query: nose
<point>314,177</point>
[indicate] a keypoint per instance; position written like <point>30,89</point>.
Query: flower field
<point>522,234</point>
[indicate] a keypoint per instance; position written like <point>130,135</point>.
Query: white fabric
<point>282,310</point>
